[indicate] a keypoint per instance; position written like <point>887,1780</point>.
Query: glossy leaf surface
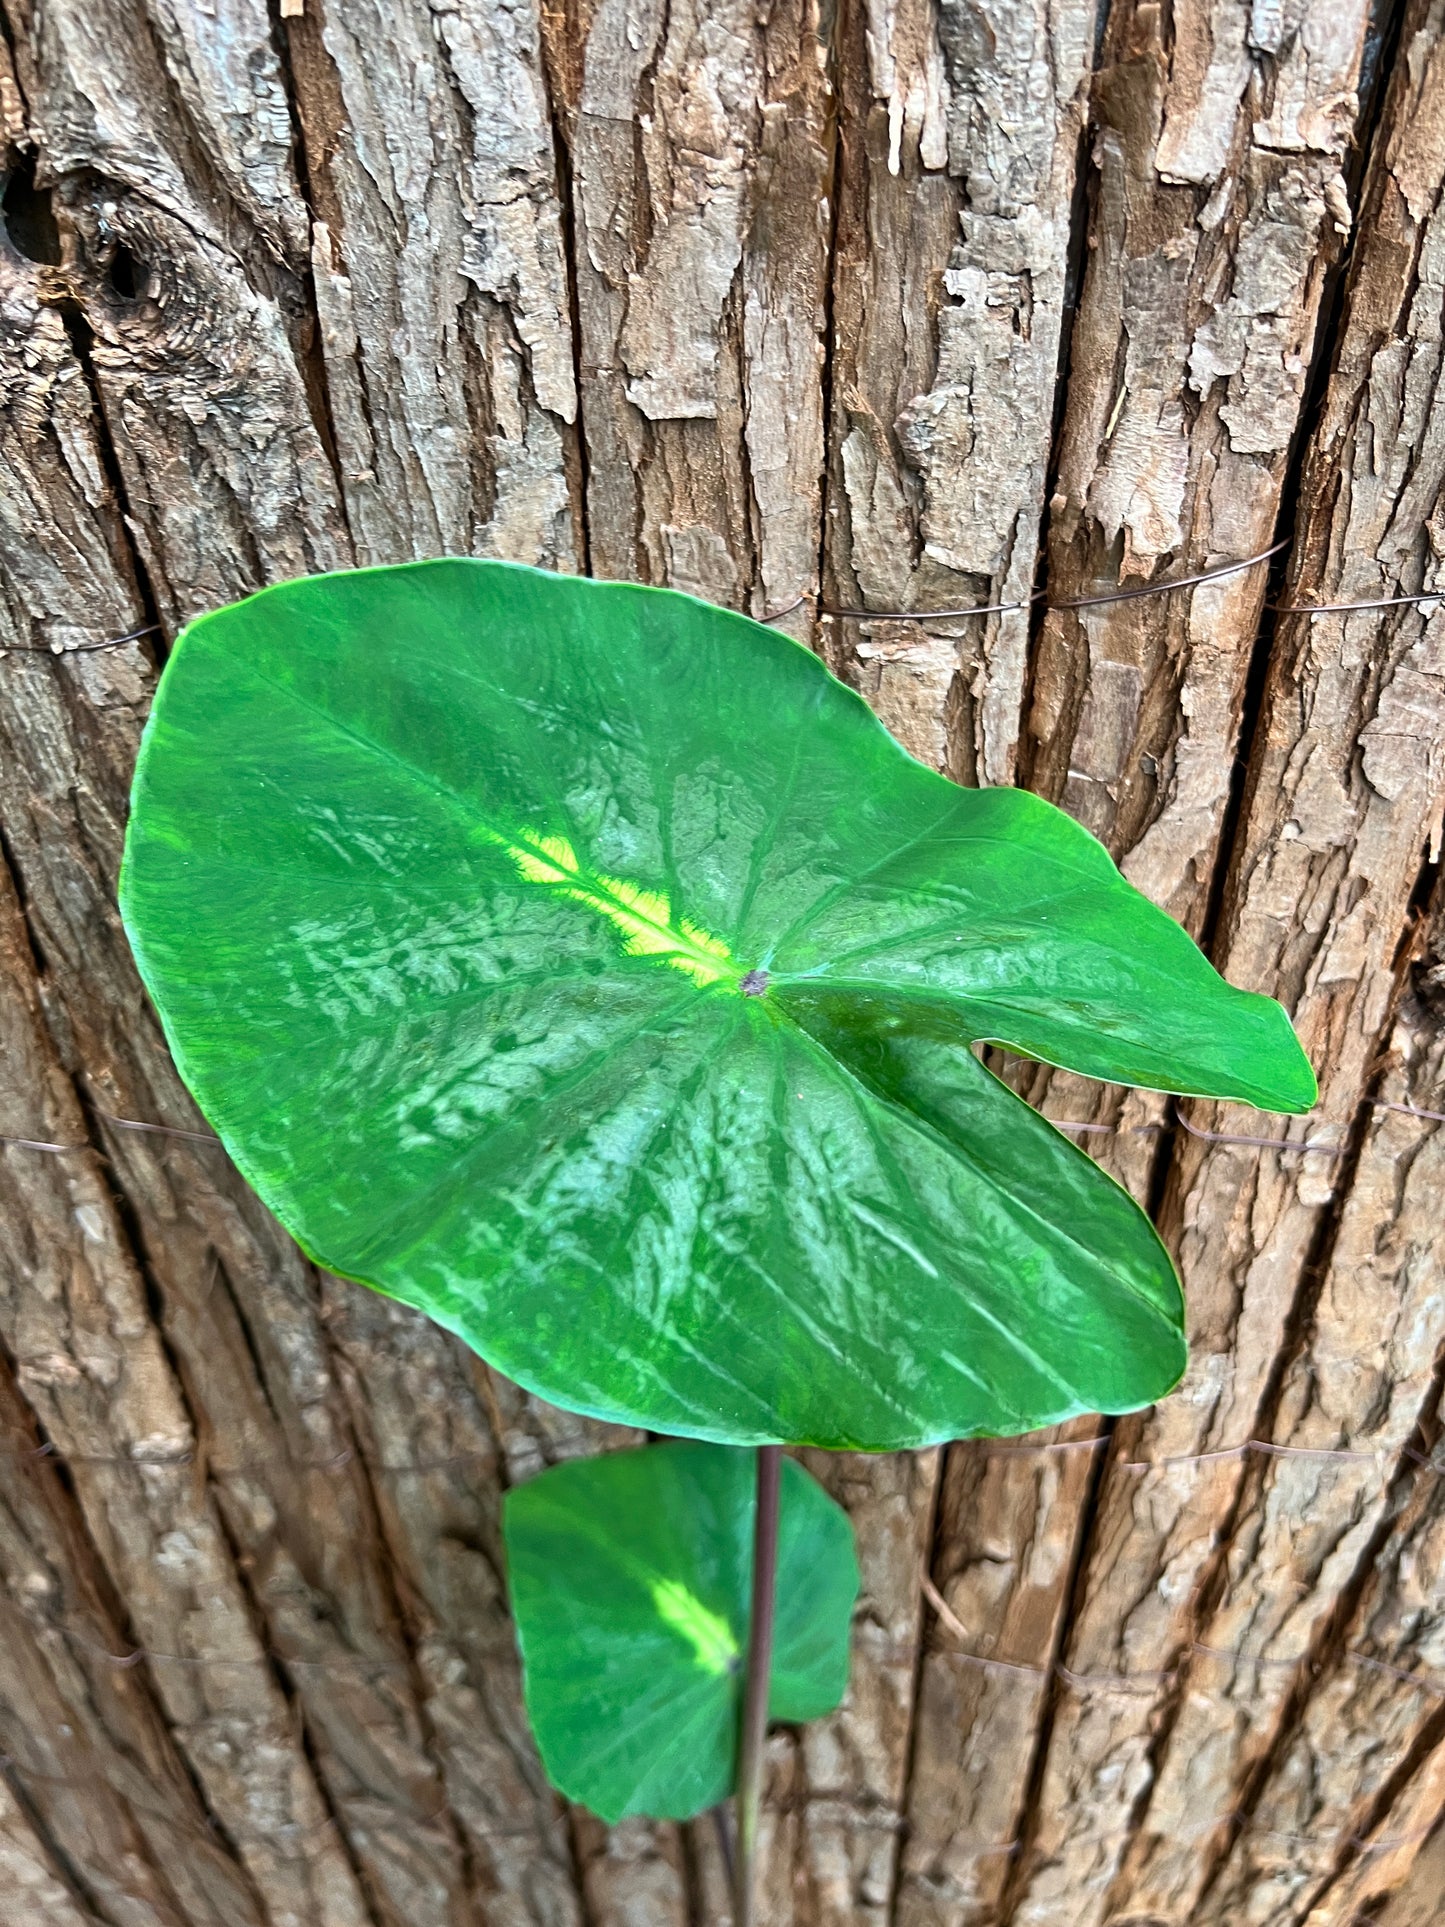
<point>586,966</point>
<point>630,1578</point>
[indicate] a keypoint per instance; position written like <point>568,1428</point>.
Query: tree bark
<point>889,308</point>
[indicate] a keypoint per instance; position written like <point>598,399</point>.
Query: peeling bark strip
<point>440,277</point>
<point>961,138</point>
<point>1219,204</point>
<point>651,286</point>
<point>700,155</point>
<point>1369,1377</point>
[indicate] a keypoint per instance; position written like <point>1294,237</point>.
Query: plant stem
<point>753,1739</point>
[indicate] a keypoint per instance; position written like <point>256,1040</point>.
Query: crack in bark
<point>311,355</point>
<point>82,337</point>
<point>910,1743</point>
<point>1077,1585</point>
<point>566,191</point>
<point>111,1595</point>
<point>1081,219</point>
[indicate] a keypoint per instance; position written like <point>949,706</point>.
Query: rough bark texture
<point>900,307</point>
<point>961,137</point>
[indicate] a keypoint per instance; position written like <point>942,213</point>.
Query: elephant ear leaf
<point>630,1578</point>
<point>585,965</point>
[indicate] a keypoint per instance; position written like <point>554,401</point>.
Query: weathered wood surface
<point>1327,857</point>
<point>906,306</point>
<point>962,134</point>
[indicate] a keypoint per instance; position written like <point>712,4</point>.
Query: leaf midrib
<point>467,810</point>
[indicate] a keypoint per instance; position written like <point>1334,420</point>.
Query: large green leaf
<point>631,1578</point>
<point>587,966</point>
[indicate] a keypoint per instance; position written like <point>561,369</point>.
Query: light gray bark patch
<point>978,111</point>
<point>442,291</point>
<point>184,104</point>
<point>701,150</point>
<point>698,151</point>
<point>1209,72</point>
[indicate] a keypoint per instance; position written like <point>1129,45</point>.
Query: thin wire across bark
<point>844,613</point>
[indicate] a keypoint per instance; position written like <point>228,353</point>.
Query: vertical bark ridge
<point>1011,1531</point>
<point>1223,1845</point>
<point>933,1540</point>
<point>1391,1859</point>
<point>839,1784</point>
<point>442,1440</point>
<point>311,354</point>
<point>92,1365</point>
<point>438,248</point>
<point>34,1868</point>
<point>85,1742</point>
<point>1081,1516</point>
<point>700,145</point>
<point>961,138</point>
<point>832,190</point>
<point>1079,226</point>
<point>1406,1894</point>
<point>1215,1738</point>
<point>1363,1378</point>
<point>77,589</point>
<point>1241,1263</point>
<point>1365,1757</point>
<point>1212,152</point>
<point>554,23</point>
<point>1371,1377</point>
<point>412,1626</point>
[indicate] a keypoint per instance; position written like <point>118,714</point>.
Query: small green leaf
<point>586,966</point>
<point>631,1580</point>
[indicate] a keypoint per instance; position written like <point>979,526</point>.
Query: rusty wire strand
<point>161,1130</point>
<point>840,612</point>
<point>1346,608</point>
<point>1147,1678</point>
<point>1038,599</point>
<point>79,648</point>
